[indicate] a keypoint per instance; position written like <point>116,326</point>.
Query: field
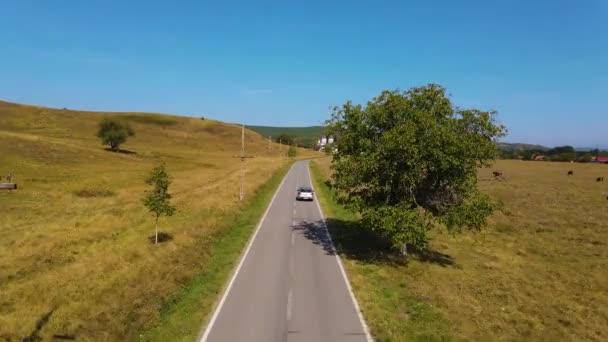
<point>75,254</point>
<point>538,272</point>
<point>307,136</point>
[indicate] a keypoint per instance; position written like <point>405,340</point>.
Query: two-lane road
<point>289,286</point>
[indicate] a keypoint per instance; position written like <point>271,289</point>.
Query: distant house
<point>599,159</point>
<point>326,139</point>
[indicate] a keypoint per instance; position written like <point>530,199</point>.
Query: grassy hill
<point>75,235</point>
<point>307,136</point>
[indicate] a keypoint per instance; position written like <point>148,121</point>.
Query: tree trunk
<point>156,231</point>
<point>404,249</point>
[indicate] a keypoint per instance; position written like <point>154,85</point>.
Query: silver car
<point>304,194</point>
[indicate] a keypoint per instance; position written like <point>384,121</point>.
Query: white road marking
<point>289,302</point>
<point>333,248</point>
<point>238,268</point>
<point>293,238</point>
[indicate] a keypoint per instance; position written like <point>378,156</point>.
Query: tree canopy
<point>114,132</point>
<point>284,139</point>
<point>407,162</point>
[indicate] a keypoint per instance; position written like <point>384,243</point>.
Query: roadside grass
<point>536,273</point>
<point>184,314</point>
<point>75,246</point>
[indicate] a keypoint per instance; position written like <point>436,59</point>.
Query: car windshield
<point>303,189</point>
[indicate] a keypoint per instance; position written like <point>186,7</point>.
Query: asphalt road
<point>289,285</point>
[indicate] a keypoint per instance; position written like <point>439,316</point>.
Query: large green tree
<point>407,162</point>
<point>114,132</point>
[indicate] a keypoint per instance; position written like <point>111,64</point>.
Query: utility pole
<point>242,156</point>
<point>242,193</point>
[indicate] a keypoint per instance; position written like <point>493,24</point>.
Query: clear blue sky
<point>542,64</point>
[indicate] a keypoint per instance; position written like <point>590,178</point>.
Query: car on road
<point>304,193</point>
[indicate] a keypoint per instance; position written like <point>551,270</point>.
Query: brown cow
<point>570,173</point>
<point>599,179</point>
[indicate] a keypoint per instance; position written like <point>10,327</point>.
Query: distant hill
<point>589,149</point>
<point>520,146</point>
<point>306,136</point>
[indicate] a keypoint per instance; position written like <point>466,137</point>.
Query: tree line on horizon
<point>558,154</point>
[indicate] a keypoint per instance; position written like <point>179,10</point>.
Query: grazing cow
<point>497,173</point>
<point>570,173</point>
<point>599,179</point>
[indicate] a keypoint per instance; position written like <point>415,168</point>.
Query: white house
<point>326,139</point>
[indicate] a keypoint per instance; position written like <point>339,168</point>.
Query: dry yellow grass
<point>538,272</point>
<point>88,258</point>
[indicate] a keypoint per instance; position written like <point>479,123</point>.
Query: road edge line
<point>218,308</point>
<point>368,336</point>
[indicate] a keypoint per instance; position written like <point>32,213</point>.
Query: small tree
<point>408,162</point>
<point>157,200</point>
<point>292,151</point>
<point>114,132</point>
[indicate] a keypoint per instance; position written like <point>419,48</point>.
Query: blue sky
<point>542,64</point>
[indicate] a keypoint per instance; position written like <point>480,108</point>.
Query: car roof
<point>305,188</point>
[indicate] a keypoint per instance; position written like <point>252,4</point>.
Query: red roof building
<point>600,159</point>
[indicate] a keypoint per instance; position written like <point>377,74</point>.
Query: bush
<point>114,132</point>
<point>291,152</point>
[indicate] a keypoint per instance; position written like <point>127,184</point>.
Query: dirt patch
<point>88,193</point>
<point>150,120</point>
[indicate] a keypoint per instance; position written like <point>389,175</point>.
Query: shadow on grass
<point>355,242</point>
<point>120,151</point>
<point>432,256</point>
<point>34,336</point>
<point>162,237</point>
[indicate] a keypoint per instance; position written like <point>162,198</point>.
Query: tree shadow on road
<point>315,232</point>
<point>355,242</point>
